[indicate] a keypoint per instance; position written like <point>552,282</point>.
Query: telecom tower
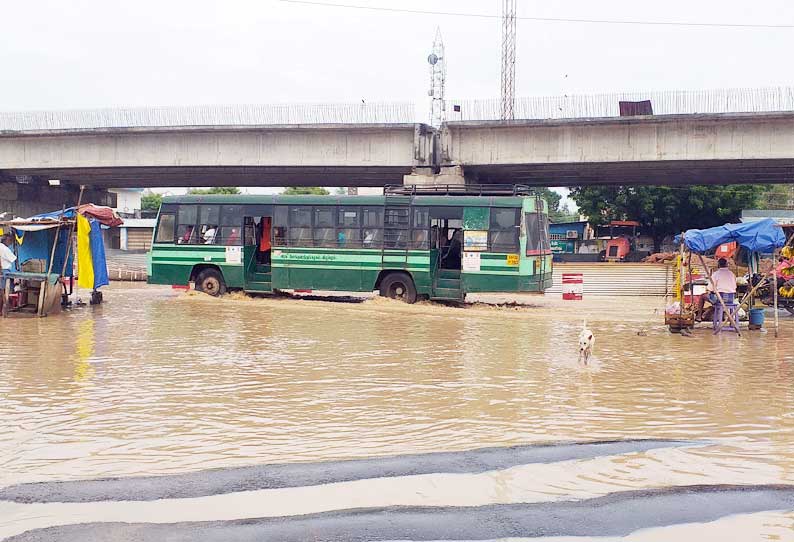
<point>438,75</point>
<point>508,59</point>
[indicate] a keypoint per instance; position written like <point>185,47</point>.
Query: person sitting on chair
<point>723,281</point>
<point>7,256</point>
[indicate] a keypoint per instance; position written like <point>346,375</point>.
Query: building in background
<point>567,237</point>
<point>136,232</point>
<point>781,216</point>
<point>128,201</point>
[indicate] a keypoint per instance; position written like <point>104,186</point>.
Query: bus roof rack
<point>458,190</point>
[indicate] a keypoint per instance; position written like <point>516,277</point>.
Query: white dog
<point>586,343</point>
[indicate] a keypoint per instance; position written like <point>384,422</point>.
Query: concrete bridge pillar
<point>37,196</point>
<point>447,175</point>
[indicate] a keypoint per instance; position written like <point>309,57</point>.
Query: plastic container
<point>756,318</point>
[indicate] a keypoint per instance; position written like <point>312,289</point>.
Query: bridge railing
<point>221,115</point>
<point>732,100</point>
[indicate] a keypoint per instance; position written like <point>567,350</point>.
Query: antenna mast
<point>438,75</point>
<point>508,59</point>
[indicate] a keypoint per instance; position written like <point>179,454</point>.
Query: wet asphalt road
<point>219,481</point>
<point>617,514</point>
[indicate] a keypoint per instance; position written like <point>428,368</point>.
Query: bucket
<point>756,318</point>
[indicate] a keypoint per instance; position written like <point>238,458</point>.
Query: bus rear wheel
<point>210,281</point>
<point>398,286</point>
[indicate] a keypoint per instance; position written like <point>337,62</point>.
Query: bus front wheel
<point>398,286</point>
<point>210,281</point>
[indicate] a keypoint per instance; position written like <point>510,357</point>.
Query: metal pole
<point>774,271</point>
<point>679,292</point>
<point>71,233</point>
<point>46,284</point>
<point>55,241</point>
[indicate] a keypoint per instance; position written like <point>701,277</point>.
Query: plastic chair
<point>719,313</point>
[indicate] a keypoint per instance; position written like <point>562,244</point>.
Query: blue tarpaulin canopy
<point>759,236</point>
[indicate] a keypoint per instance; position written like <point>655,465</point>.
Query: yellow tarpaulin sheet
<point>85,264</point>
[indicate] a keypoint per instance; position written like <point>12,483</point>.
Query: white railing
<point>220,115</point>
<point>734,100</point>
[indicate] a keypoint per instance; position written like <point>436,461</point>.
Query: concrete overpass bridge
<point>721,148</point>
<point>582,141</point>
<point>662,149</point>
<point>275,155</point>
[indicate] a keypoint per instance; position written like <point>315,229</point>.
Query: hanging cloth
<point>85,264</point>
<point>100,265</point>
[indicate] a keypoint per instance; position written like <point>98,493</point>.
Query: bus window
<point>186,224</point>
<point>372,231</point>
<point>503,233</point>
<point>537,233</point>
<point>324,231</point>
<point>165,229</point>
<point>208,223</point>
<point>280,219</point>
<point>348,234</point>
<point>300,226</point>
<point>397,227</point>
<point>231,220</point>
<point>249,232</point>
<point>420,228</point>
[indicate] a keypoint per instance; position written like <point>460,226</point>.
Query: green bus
<point>407,244</point>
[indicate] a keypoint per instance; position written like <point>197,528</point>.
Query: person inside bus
<point>453,253</point>
<point>209,235</point>
<point>724,282</point>
<point>187,235</point>
<point>443,239</point>
<point>369,238</point>
<point>263,252</point>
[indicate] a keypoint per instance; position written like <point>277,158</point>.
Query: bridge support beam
<point>447,175</point>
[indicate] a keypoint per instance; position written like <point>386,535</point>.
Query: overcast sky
<point>101,53</point>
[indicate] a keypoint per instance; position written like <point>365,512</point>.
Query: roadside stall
<point>35,287</point>
<point>756,238</point>
<point>43,278</point>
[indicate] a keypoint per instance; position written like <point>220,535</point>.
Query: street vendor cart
<point>44,272</point>
<point>756,238</point>
<point>44,278</point>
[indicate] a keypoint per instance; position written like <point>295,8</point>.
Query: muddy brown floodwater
<point>161,382</point>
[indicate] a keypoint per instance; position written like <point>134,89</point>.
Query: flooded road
<point>157,382</point>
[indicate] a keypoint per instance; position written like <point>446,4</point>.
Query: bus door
<point>257,248</point>
<point>446,238</point>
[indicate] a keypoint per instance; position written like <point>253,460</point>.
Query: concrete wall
<point>29,199</point>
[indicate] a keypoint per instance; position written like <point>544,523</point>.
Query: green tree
<point>666,210</point>
<point>777,196</point>
<point>557,211</point>
<point>229,190</point>
<point>151,201</point>
<point>305,191</point>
